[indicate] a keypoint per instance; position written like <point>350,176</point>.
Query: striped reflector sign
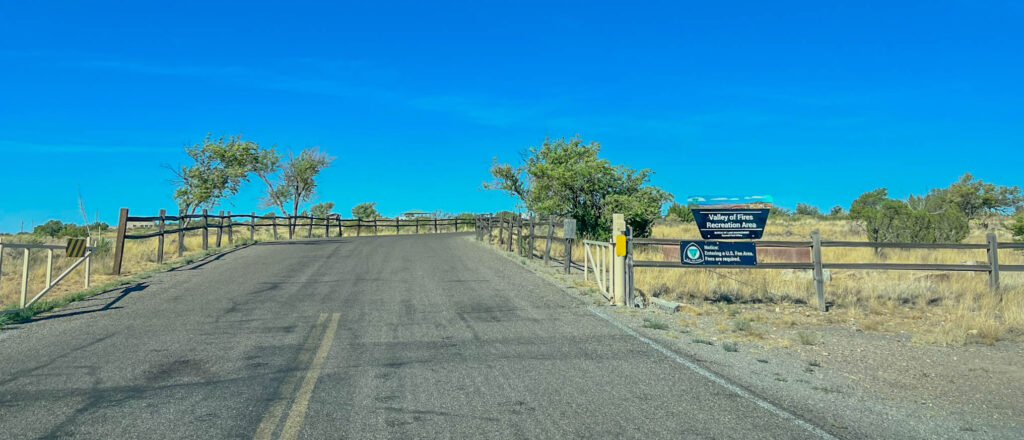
<point>76,248</point>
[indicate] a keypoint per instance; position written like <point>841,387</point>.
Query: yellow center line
<point>301,404</point>
<point>276,410</point>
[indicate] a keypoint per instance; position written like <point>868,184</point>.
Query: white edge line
<point>718,379</point>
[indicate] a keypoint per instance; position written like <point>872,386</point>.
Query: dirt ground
<point>832,366</point>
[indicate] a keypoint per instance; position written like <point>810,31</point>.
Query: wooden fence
<point>516,234</point>
<point>817,265</point>
<point>520,236</point>
<point>224,224</point>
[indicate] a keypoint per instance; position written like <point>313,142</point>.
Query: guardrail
<point>51,282</point>
<point>225,223</point>
<point>817,265</point>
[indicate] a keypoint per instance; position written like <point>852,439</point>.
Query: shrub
<point>807,210</point>
<point>681,213</point>
<point>889,221</point>
<point>1016,226</point>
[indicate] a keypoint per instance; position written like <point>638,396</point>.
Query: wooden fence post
<point>160,238</point>
<point>511,232</point>
<point>252,226</point>
<point>220,226</point>
<point>273,220</point>
<point>398,227</point>
<point>291,226</point>
<point>547,245</point>
<point>501,230</point>
<point>568,255</point>
<point>435,225</point>
<point>122,228</point>
<point>88,263</point>
<point>359,226</point>
<point>819,275</point>
<point>312,220</point>
<point>206,230</point>
<point>375,230</point>
<point>231,227</point>
<point>181,231</point>
<point>24,278</point>
<point>993,262</point>
<point>533,235</point>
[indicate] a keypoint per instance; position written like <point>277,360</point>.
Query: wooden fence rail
<point>225,223</point>
<point>513,230</point>
<point>817,264</point>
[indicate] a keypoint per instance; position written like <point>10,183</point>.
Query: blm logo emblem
<point>693,254</point>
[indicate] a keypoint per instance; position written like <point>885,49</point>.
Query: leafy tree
<point>366,211</point>
<point>778,211</point>
<point>322,210</point>
<point>219,168</point>
<point>807,210</point>
<point>566,177</point>
<point>681,212</point>
<point>836,211</point>
<point>300,174</point>
<point>267,166</point>
<point>889,221</point>
<point>292,182</point>
<point>51,228</point>
<point>973,197</point>
<point>1016,226</point>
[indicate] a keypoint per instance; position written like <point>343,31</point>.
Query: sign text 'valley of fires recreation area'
<point>726,218</point>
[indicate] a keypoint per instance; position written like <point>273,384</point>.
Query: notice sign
<point>730,224</point>
<point>718,253</point>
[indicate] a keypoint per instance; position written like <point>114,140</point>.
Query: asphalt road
<point>375,337</point>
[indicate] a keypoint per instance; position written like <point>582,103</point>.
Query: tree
<point>836,211</point>
<point>893,221</point>
<point>267,166</point>
<point>807,210</point>
<point>1016,226</point>
<point>975,198</point>
<point>219,168</point>
<point>566,177</point>
<point>51,229</point>
<point>778,211</point>
<point>300,175</point>
<point>322,210</point>
<point>682,213</point>
<point>292,182</point>
<point>366,211</point>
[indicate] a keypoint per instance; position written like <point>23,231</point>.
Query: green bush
<point>894,221</point>
<point>681,213</point>
<point>1016,226</point>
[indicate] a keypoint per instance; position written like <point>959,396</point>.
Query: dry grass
<point>139,256</point>
<point>937,307</point>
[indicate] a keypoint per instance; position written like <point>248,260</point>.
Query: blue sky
<point>808,101</point>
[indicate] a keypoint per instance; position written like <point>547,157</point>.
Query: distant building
<point>136,225</point>
<point>417,214</point>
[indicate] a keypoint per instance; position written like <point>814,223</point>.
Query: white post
<point>586,261</point>
<point>619,265</point>
<point>88,261</point>
<point>49,267</point>
<point>24,278</point>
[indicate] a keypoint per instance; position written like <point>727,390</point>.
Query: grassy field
<point>936,307</point>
